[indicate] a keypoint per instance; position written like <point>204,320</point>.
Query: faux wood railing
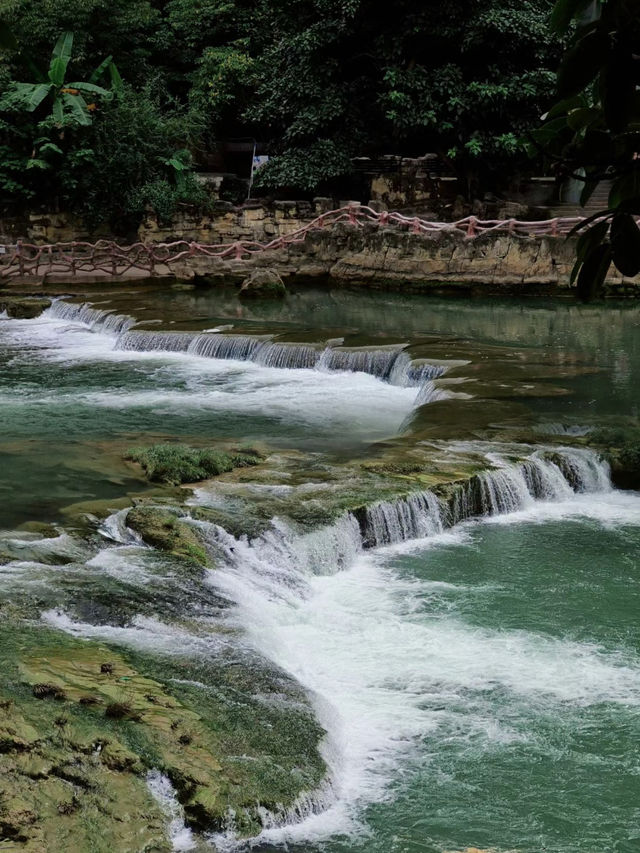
<point>27,259</point>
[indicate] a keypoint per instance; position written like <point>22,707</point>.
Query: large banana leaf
<point>30,95</point>
<point>57,70</point>
<point>76,106</point>
<point>89,87</point>
<point>63,47</point>
<point>58,111</point>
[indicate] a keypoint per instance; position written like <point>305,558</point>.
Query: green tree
<point>338,78</point>
<point>66,100</point>
<point>593,131</point>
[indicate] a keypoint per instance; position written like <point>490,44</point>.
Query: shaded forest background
<point>315,82</point>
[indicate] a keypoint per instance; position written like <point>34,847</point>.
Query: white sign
<point>259,160</point>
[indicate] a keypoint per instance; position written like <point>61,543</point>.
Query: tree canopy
<point>593,131</point>
<point>318,82</point>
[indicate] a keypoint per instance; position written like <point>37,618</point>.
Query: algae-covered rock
<point>23,308</point>
<point>73,777</point>
<point>263,283</point>
<point>163,528</point>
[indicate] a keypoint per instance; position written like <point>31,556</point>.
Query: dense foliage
<point>593,133</point>
<point>317,82</point>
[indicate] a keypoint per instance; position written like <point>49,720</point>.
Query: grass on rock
<point>178,463</point>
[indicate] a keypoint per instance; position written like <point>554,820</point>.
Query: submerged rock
<point>263,283</point>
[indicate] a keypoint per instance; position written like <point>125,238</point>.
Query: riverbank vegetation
<point>135,94</point>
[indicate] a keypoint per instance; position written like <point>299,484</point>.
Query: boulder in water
<point>263,284</point>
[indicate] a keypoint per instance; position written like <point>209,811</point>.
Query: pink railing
<point>27,259</point>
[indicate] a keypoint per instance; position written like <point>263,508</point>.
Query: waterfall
<point>390,365</point>
<point>97,319</point>
<point>550,476</point>
<point>281,559</point>
<point>155,341</point>
<point>414,517</point>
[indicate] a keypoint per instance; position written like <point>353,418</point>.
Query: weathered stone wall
<point>371,255</point>
<point>385,257</point>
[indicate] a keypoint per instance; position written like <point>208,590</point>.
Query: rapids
<point>470,647</point>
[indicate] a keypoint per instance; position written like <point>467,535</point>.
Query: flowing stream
<point>474,659</point>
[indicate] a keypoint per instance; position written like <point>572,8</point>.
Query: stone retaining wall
<point>385,257</point>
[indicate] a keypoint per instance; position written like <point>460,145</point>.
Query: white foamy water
<point>357,402</point>
<point>164,793</point>
<point>387,674</point>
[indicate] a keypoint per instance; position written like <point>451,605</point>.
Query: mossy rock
<point>163,528</point>
<point>24,308</point>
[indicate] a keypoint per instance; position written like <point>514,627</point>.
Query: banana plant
<point>71,103</point>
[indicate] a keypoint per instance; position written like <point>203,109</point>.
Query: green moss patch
<point>178,463</point>
<point>164,529</point>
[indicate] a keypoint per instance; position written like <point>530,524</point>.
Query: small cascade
<point>163,792</point>
<point>97,319</point>
<point>232,347</point>
<point>114,527</point>
<point>429,393</point>
<point>390,364</point>
<point>290,356</point>
<point>377,362</point>
<point>155,341</point>
<point>414,517</point>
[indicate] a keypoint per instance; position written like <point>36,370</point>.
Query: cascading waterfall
<point>277,572</point>
<point>390,365</point>
<point>97,319</point>
<point>282,559</point>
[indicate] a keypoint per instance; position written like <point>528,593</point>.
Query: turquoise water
<point>480,688</point>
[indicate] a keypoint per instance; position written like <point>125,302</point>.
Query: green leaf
<point>77,108</point>
<point>584,222</point>
<point>50,146</point>
<point>35,163</point>
<point>626,188</point>
<point>89,87</point>
<point>63,47</point>
<point>564,11</point>
<point>583,117</point>
<point>99,71</point>
<point>57,70</point>
<point>116,79</point>
<point>587,243</point>
<point>594,272</point>
<point>58,111</point>
<point>33,98</point>
<point>591,238</point>
<point>625,244</point>
<point>582,63</point>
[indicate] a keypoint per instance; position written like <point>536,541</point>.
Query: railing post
<point>383,219</point>
<point>554,227</point>
<point>239,251</point>
<point>20,258</point>
<point>415,227</point>
<point>471,227</point>
<point>353,219</point>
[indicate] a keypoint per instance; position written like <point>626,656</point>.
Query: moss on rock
<point>163,528</point>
